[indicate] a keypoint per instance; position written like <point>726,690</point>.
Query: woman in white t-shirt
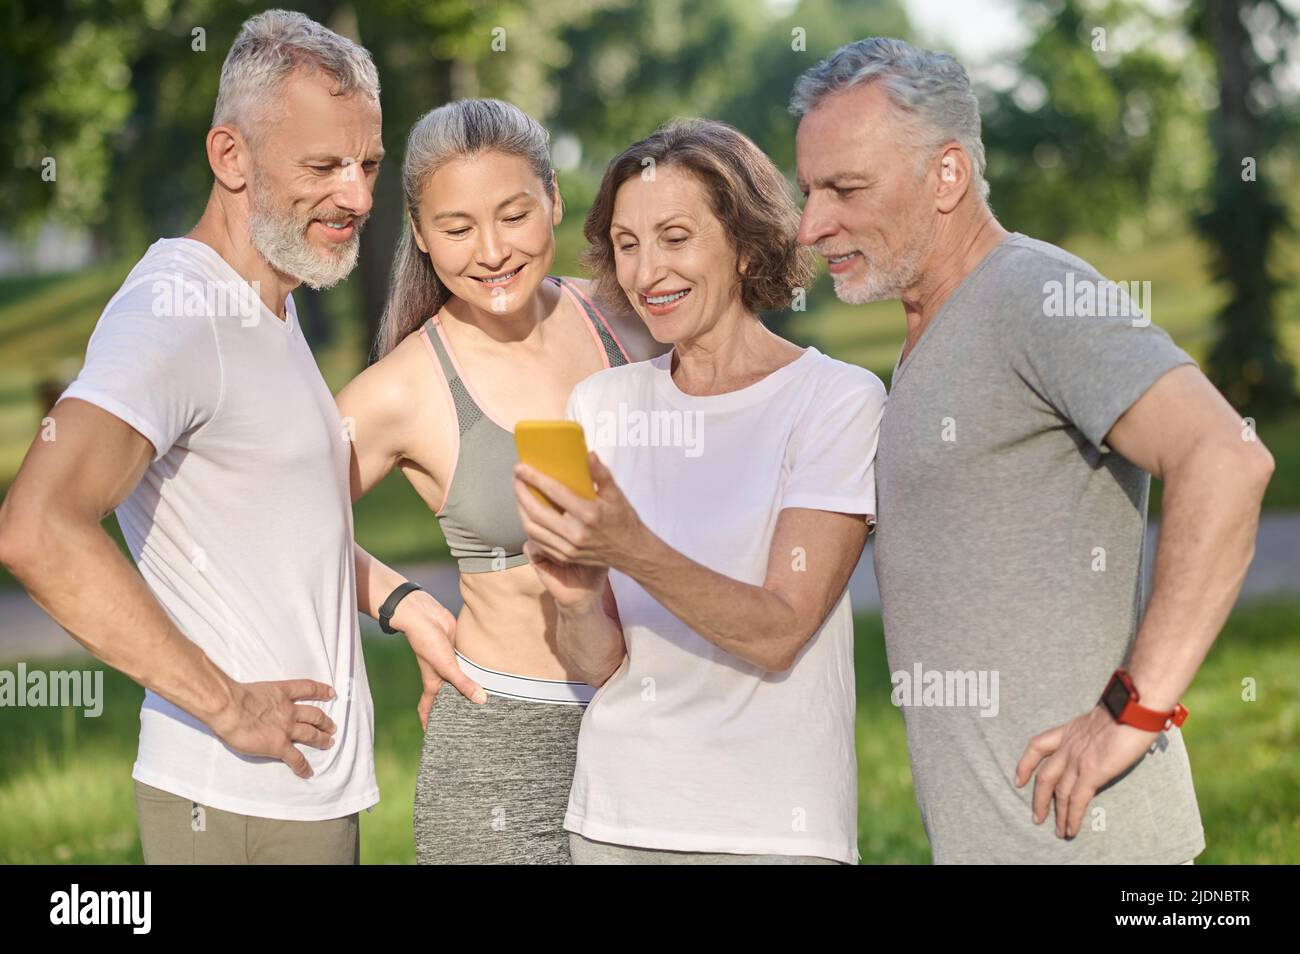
<point>703,590</point>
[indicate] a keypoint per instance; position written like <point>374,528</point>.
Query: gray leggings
<point>494,781</point>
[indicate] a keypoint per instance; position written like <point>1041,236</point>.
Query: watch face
<point>1115,697</point>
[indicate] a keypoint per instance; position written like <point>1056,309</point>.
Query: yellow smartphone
<point>557,449</point>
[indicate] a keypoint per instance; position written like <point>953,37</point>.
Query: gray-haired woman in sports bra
<point>476,336</point>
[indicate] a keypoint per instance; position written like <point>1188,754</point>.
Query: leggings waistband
<point>528,688</point>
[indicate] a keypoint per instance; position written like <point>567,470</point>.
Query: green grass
<point>1282,437</point>
<point>65,780</point>
<point>65,786</point>
<point>394,524</point>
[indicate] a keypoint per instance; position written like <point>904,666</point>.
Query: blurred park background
<point>1155,139</point>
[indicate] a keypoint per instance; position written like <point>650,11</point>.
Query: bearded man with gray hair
<point>1030,404</point>
<point>201,417</point>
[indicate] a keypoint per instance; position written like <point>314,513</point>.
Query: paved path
<point>27,633</point>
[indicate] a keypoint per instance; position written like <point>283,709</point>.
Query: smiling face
<point>867,211</point>
<point>672,256</point>
<point>487,224</point>
<point>315,160</point>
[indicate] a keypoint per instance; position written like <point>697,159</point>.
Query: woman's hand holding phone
<point>573,586</point>
<point>576,518</point>
<point>579,524</point>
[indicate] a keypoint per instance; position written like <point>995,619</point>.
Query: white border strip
<point>526,688</point>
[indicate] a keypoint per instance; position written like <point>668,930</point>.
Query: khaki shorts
<point>177,831</point>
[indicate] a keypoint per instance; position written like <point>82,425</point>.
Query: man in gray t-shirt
<point>1009,542</point>
<point>1030,404</point>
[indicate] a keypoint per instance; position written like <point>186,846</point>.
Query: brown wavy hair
<point>746,192</point>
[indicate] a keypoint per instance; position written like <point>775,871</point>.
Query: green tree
<point>1245,216</point>
<point>634,66</point>
<point>1077,138</point>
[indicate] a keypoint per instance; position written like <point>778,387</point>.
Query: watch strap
<point>390,605</point>
<point>1134,713</point>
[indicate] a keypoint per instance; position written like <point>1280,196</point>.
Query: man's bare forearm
<point>1206,542</point>
<point>81,579</point>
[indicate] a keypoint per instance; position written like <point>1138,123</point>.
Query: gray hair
<point>930,90</point>
<point>270,47</point>
<point>463,127</point>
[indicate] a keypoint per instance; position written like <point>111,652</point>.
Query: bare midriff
<point>508,624</point>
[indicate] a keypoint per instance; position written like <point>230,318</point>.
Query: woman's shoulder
<point>622,320</point>
<point>583,285</point>
<point>396,382</point>
<point>409,359</point>
<point>620,381</point>
<point>833,379</point>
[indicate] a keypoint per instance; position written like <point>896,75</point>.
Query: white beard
<point>881,284</point>
<point>282,241</point>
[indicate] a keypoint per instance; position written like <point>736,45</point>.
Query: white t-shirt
<point>242,524</point>
<point>688,747</point>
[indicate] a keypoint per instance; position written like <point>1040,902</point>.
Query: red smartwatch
<point>1121,699</point>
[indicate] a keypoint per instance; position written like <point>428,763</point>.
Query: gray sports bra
<point>479,515</point>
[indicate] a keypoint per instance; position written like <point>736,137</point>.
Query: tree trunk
<point>1247,361</point>
<point>388,217</point>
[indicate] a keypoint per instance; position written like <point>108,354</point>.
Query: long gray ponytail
<point>463,127</point>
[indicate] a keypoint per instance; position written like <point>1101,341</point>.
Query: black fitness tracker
<point>390,605</point>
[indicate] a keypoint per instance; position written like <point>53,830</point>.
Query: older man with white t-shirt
<point>201,416</point>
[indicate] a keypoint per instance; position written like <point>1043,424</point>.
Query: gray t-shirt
<point>1009,555</point>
